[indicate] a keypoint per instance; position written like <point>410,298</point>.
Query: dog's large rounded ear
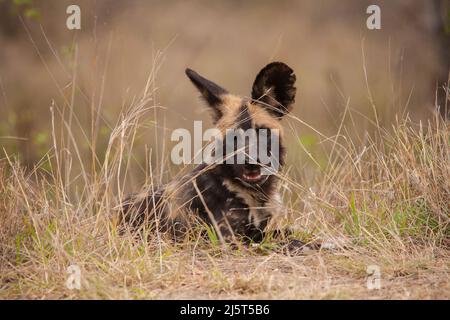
<point>274,88</point>
<point>211,92</point>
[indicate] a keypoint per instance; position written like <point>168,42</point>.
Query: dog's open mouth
<point>252,174</point>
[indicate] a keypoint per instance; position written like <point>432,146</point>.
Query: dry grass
<point>382,199</point>
<point>361,173</point>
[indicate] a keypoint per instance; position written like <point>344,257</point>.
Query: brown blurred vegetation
<point>227,41</point>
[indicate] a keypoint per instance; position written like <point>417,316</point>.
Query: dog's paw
<point>297,247</point>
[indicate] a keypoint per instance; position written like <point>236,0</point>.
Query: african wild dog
<point>236,199</point>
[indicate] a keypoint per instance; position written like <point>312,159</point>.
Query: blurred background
<point>339,63</point>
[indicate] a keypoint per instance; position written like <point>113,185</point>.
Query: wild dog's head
<point>272,97</point>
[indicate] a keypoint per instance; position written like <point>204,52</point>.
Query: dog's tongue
<point>252,175</point>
